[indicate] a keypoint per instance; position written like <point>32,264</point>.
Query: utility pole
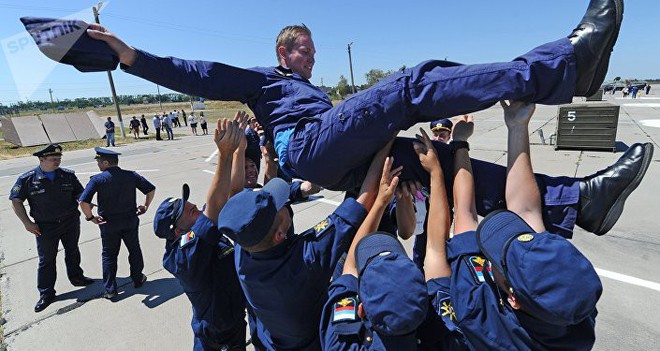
<point>52,105</point>
<point>350,63</point>
<point>96,10</point>
<point>159,103</point>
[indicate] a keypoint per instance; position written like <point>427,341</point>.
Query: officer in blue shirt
<point>285,277</point>
<point>52,194</point>
<point>202,259</point>
<point>310,135</point>
<point>117,215</point>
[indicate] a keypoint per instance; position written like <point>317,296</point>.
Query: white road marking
<point>327,201</point>
<point>212,156</point>
<point>207,171</point>
<point>643,104</point>
<point>655,123</point>
<point>628,279</point>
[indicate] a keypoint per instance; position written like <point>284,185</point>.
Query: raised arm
<point>522,193</point>
<point>435,261</point>
<point>238,163</point>
<point>388,182</point>
<point>405,209</point>
<point>465,211</point>
<point>211,80</point>
<point>227,136</point>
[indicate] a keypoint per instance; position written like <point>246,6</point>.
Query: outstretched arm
<point>211,80</point>
<point>465,209</point>
<point>227,136</point>
<point>522,193</point>
<point>435,262</point>
<point>388,181</point>
<point>238,163</point>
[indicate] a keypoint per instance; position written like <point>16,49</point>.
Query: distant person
<point>183,116</point>
<point>648,88</point>
<point>135,127</point>
<point>157,126</point>
<point>176,118</point>
<point>441,130</point>
<point>145,126</point>
<point>52,193</point>
<point>117,216</point>
<point>109,132</point>
<point>167,125</point>
<point>203,124</point>
<point>193,122</point>
<point>633,91</point>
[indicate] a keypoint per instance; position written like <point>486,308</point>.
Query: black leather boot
<point>603,194</point>
<point>593,41</point>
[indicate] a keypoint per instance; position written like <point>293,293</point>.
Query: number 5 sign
<point>571,116</point>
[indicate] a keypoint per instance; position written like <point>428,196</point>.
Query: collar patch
<point>187,238</point>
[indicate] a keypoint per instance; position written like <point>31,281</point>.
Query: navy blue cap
<point>105,153</point>
<point>247,217</point>
<point>254,155</point>
<point>391,287</point>
<point>67,41</point>
<point>442,124</point>
<point>169,211</point>
<point>550,277</point>
<point>50,150</point>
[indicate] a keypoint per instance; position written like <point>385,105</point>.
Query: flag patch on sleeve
<point>344,310</point>
<point>477,266</point>
<point>187,238</point>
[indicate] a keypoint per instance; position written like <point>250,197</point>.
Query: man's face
<point>441,135</point>
<point>50,163</point>
<point>188,217</point>
<point>300,59</point>
<point>251,173</point>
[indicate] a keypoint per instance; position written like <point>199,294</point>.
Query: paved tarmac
<point>157,316</point>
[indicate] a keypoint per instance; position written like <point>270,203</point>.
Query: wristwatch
<point>89,218</point>
<point>459,144</point>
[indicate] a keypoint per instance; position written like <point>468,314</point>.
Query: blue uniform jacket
<point>277,97</point>
<point>287,286</point>
<point>116,192</point>
<point>487,320</point>
<point>203,262</point>
<point>341,327</point>
<point>48,200</point>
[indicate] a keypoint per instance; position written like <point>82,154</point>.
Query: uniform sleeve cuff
<point>352,212</point>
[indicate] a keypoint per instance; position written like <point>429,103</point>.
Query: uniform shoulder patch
<point>187,239</point>
<point>345,310</point>
<point>66,170</point>
<point>26,174</point>
<point>322,227</point>
<point>477,265</point>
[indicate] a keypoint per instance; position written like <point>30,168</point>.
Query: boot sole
<point>601,71</point>
<point>615,211</point>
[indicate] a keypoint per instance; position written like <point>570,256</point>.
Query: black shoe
<point>593,41</point>
<point>603,194</point>
<point>138,284</point>
<point>44,301</point>
<point>81,281</point>
<point>109,295</point>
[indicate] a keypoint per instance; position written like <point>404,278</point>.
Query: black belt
<point>59,220</point>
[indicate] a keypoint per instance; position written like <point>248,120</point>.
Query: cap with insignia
<point>391,288</point>
<point>550,277</point>
<point>50,150</point>
<point>67,41</point>
<point>442,124</point>
<point>169,211</point>
<point>105,153</point>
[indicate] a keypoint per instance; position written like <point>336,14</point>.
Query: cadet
<point>495,296</point>
<point>285,277</point>
<point>117,215</point>
<point>202,259</point>
<point>380,299</point>
<point>52,194</point>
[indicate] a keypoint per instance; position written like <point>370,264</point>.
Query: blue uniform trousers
<point>66,230</point>
<point>112,234</point>
<point>337,142</point>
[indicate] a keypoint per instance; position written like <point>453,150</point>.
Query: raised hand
<point>426,152</point>
<point>126,53</point>
<point>463,128</point>
<point>517,113</point>
<point>227,136</point>
<point>389,181</point>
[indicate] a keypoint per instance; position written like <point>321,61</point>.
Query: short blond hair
<point>288,36</point>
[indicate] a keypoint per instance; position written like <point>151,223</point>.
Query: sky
<point>386,35</point>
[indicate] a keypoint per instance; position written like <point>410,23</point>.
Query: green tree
<point>375,75</point>
<point>343,88</point>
